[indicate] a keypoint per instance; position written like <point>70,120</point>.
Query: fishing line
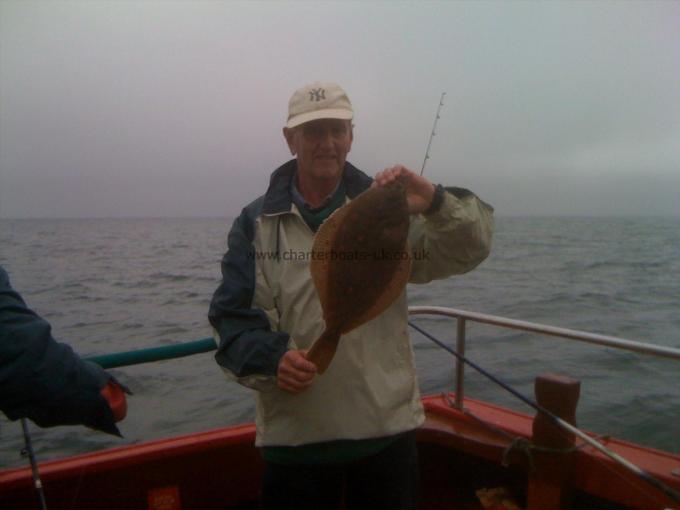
<point>556,419</point>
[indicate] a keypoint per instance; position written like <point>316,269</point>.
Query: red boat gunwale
<point>224,461</point>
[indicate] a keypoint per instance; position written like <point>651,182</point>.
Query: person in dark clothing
<point>46,381</point>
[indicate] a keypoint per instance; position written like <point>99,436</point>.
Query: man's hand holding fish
<point>419,191</point>
<point>295,373</point>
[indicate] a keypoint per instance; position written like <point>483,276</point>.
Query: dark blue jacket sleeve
<point>247,344</point>
<point>44,380</point>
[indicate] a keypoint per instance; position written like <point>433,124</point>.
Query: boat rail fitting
<point>462,316</point>
<point>153,354</point>
<point>460,364</point>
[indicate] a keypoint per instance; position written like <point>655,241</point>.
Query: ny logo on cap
<point>317,94</point>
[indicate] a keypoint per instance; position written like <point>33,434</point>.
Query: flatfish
<point>360,264</point>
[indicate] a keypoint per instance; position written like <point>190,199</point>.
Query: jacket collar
<point>278,199</point>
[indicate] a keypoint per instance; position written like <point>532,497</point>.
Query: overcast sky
<point>117,109</point>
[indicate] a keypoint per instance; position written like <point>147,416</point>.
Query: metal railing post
<point>460,365</point>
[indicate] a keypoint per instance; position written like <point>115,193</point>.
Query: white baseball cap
<point>318,101</point>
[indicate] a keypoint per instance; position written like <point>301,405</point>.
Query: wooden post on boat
<point>549,483</point>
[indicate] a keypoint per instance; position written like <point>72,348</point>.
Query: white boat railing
<point>462,317</point>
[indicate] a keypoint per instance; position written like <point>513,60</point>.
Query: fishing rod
<point>556,419</point>
<point>432,133</point>
<point>28,450</point>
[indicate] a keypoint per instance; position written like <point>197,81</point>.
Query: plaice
<point>360,264</point>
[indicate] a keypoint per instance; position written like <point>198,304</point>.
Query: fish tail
<point>323,350</point>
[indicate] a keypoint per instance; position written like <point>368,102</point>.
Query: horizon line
<point>508,215</point>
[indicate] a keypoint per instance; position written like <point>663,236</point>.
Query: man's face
<point>321,147</point>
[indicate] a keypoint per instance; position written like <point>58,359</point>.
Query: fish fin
<point>323,350</point>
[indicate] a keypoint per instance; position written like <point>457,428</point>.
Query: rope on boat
<point>525,446</point>
<point>557,420</point>
<point>518,443</point>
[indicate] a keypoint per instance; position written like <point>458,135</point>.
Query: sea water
<point>111,285</point>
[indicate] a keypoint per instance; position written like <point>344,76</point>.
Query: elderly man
<point>351,429</point>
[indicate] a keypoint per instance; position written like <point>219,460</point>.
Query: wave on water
<point>170,277</point>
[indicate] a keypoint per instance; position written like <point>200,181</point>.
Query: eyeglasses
<point>317,131</point>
